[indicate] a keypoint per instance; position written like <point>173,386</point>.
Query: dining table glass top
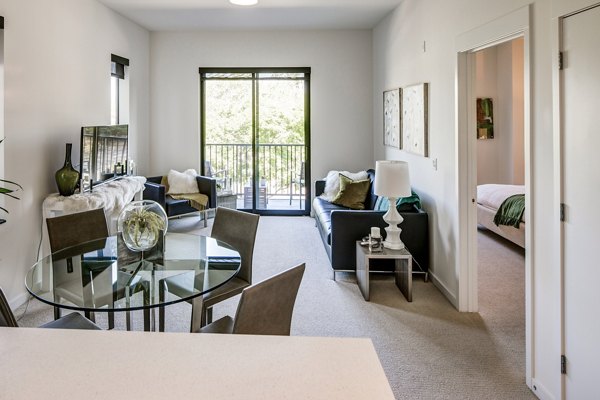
<point>104,275</point>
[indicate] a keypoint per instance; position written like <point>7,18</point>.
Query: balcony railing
<point>278,165</point>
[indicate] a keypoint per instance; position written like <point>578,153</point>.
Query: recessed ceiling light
<point>244,2</point>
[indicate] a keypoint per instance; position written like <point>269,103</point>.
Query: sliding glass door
<point>255,133</point>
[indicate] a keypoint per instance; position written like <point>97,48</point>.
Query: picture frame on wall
<point>391,118</point>
<point>415,119</point>
<point>485,118</point>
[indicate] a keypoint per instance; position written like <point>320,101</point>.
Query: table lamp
<point>392,181</point>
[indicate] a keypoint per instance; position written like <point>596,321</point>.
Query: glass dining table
<point>105,276</point>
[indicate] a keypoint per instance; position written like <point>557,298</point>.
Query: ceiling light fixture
<point>244,2</point>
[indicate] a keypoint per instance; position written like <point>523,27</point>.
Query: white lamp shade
<point>392,179</point>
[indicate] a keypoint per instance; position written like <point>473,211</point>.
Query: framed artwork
<point>391,118</point>
<point>415,129</point>
<point>485,118</point>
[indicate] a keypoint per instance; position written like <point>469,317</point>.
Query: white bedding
<point>492,195</point>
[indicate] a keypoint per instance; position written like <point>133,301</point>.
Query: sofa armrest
<point>208,186</point>
<point>319,187</point>
<point>156,192</point>
<point>348,226</point>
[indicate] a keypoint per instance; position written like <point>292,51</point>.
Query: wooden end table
<point>403,268</point>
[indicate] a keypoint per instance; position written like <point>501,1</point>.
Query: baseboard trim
<point>445,291</point>
<point>19,300</point>
<point>540,391</point>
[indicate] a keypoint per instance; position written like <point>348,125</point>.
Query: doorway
<point>255,137</point>
<point>502,30</point>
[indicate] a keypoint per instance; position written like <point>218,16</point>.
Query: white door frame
<point>500,30</point>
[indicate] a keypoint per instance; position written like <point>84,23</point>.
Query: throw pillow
<point>352,193</point>
<point>182,182</point>
<point>332,182</point>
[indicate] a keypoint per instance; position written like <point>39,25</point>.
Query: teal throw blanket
<point>511,211</point>
<point>402,203</point>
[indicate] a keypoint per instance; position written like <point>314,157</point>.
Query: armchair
<point>156,191</point>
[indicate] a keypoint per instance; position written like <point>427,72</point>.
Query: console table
<point>402,272</point>
<point>112,196</point>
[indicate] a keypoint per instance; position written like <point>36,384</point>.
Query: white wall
<point>399,59</point>
<point>499,75</point>
<point>341,89</point>
<point>57,79</point>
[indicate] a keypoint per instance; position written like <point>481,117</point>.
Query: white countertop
<point>77,364</point>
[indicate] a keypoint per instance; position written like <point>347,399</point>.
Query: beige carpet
<point>428,349</point>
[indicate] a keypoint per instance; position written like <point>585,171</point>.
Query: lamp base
<point>393,218</point>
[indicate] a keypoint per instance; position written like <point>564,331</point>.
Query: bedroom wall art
<point>485,118</point>
<point>391,118</point>
<point>415,129</point>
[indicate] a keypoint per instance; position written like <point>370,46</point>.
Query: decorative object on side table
<point>141,224</point>
<point>67,177</point>
<point>392,180</point>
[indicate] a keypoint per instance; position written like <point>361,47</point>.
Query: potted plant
<point>7,188</point>
<point>141,223</point>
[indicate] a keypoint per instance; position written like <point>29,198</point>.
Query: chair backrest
<point>72,229</point>
<point>208,169</point>
<point>266,308</point>
<point>302,171</point>
<point>7,318</point>
<point>237,228</point>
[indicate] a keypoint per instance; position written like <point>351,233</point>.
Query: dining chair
<point>265,308</point>
<point>69,321</point>
<point>73,229</point>
<point>300,180</point>
<point>238,229</point>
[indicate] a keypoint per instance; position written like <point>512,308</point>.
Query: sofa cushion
<point>322,209</point>
<point>332,182</point>
<point>352,193</point>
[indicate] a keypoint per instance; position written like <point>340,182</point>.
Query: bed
<point>489,199</point>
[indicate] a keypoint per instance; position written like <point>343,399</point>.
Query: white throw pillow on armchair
<point>182,182</point>
<point>332,182</point>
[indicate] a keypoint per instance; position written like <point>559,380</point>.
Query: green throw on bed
<point>511,211</point>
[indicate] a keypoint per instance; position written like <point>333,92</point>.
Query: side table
<point>402,271</point>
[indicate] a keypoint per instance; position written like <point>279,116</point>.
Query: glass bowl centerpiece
<point>141,223</point>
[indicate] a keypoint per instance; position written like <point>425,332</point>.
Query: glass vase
<point>141,223</point>
<point>67,177</point>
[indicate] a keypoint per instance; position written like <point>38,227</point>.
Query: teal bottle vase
<point>67,177</point>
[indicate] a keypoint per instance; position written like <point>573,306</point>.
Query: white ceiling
<point>169,15</point>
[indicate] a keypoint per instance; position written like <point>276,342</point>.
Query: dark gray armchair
<point>154,190</point>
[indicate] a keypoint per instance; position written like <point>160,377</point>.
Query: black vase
<point>67,177</point>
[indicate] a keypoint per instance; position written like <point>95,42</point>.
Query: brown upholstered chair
<point>238,229</point>
<point>73,229</point>
<point>265,308</point>
<point>70,321</point>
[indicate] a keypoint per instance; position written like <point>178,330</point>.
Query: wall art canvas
<point>485,118</point>
<point>415,130</point>
<point>391,118</point>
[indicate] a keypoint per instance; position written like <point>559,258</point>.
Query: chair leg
<point>56,313</point>
<point>205,217</point>
<point>90,315</point>
<point>111,320</point>
<point>209,315</point>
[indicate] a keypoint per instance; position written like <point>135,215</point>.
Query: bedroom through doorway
<point>500,173</point>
